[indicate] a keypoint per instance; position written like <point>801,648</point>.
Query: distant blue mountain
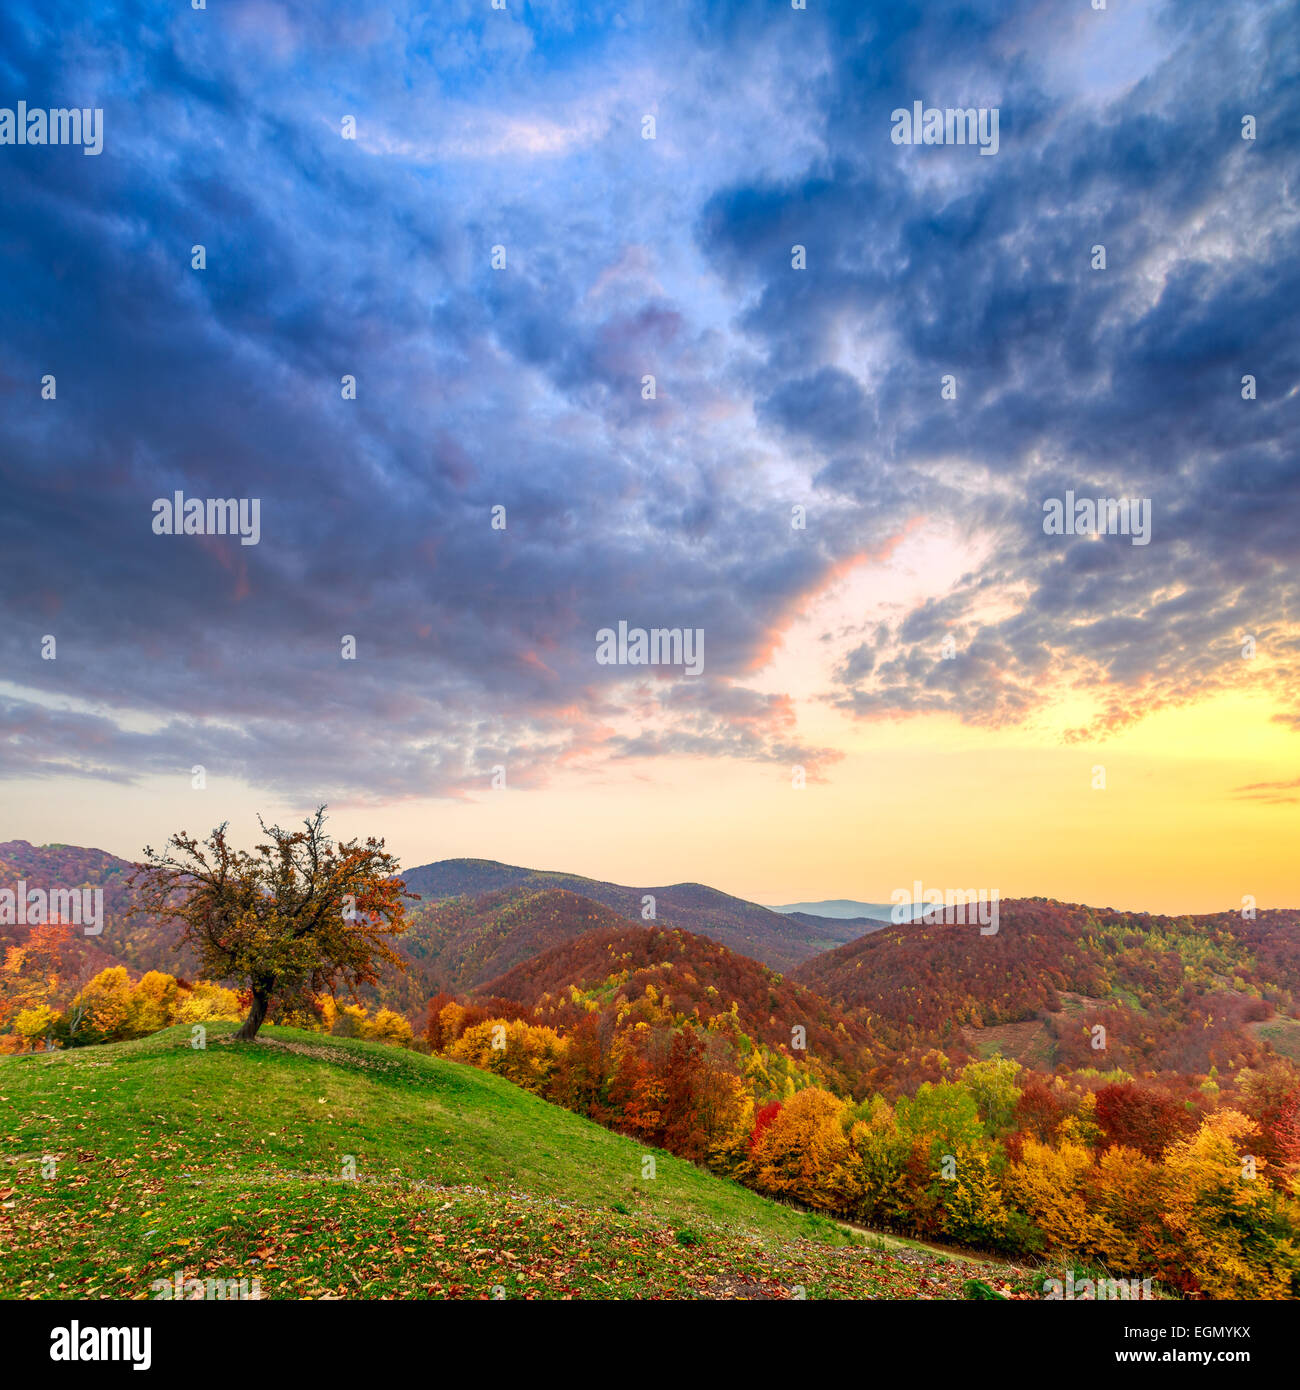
<point>849,907</point>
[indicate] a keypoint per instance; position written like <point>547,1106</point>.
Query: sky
<point>496,224</point>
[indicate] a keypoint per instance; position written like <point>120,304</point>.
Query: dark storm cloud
<point>523,388</point>
<point>1122,382</point>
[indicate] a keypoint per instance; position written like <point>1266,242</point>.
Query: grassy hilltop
<point>229,1163</point>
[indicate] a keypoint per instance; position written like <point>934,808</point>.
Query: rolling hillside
<point>1173,994</point>
<point>458,943</point>
<point>450,946</point>
<point>746,927</point>
<point>851,910</point>
<point>829,932</point>
<point>232,1162</point>
<point>140,943</point>
<point>698,980</point>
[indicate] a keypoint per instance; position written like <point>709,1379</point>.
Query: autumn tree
<point>803,1152</point>
<point>1141,1117</point>
<point>584,1068</point>
<point>1052,1186</point>
<point>762,1120</point>
<point>298,914</point>
<point>1272,1098</point>
<point>701,1097</point>
<point>434,1032</point>
<point>1236,1233</point>
<point>993,1085</point>
<point>388,1026</point>
<point>104,1008</point>
<point>36,977</point>
<point>1039,1110</point>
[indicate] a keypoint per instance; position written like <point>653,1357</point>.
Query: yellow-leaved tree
<point>804,1154</point>
<point>1238,1234</point>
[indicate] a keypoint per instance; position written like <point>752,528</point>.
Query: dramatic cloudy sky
<point>777,388</point>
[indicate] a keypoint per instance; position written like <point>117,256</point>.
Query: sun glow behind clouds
<point>923,563</point>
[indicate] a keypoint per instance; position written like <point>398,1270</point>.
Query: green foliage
<point>992,1084</point>
<point>945,1115</point>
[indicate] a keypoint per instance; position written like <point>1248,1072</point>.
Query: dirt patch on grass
<point>1028,1043</point>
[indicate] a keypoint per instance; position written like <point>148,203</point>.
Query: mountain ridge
<point>744,926</point>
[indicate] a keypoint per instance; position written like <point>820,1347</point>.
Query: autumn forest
<point>1118,1090</point>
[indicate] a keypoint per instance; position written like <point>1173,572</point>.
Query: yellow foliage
<point>390,1027</point>
<point>106,1003</point>
<point>973,1210</point>
<point>1051,1186</point>
<point>153,1002</point>
<point>207,1002</point>
<point>32,1024</point>
<point>805,1153</point>
<point>524,1053</point>
<point>1238,1234</point>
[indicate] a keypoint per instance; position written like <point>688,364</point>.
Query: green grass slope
<point>230,1163</point>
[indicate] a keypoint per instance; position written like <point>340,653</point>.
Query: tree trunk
<point>256,1016</point>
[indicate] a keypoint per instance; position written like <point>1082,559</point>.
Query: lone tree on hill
<point>298,915</point>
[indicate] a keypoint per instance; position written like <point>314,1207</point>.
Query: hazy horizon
<point>410,862</point>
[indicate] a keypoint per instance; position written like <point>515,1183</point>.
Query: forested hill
<point>1174,993</point>
<point>771,937</point>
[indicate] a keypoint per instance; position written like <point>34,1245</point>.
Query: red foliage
<point>762,1120</point>
<point>1039,1110</point>
<point>436,1033</point>
<point>1284,1134</point>
<point>1141,1117</point>
<point>703,979</point>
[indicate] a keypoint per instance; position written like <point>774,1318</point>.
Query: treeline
<point>48,999</point>
<point>1038,1170</point>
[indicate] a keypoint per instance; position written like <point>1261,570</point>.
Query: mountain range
<point>1174,995</point>
<point>769,936</point>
